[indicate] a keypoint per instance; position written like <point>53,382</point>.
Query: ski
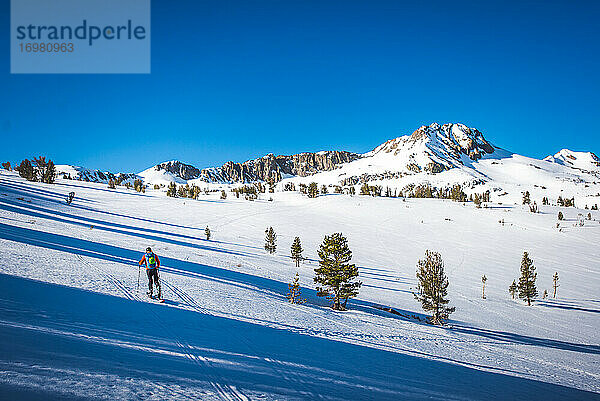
<point>153,298</point>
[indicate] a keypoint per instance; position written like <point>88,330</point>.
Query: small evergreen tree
<point>555,284</point>
<point>6,166</point>
<point>545,294</point>
<point>364,189</point>
<point>335,275</point>
<point>483,281</point>
<point>295,292</point>
<point>40,164</point>
<point>111,184</point>
<point>207,233</point>
<point>324,189</point>
<point>432,287</point>
<point>297,251</point>
<point>560,216</point>
<point>527,288</point>
<point>138,185</point>
<point>223,194</point>
<point>313,190</point>
<point>526,199</point>
<point>26,170</point>
<point>477,200</point>
<point>533,207</point>
<point>270,240</point>
<point>512,289</point>
<point>49,173</point>
<point>172,190</point>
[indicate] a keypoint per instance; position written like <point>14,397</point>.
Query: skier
<point>150,259</point>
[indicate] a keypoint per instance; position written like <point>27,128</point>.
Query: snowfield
<point>75,325</point>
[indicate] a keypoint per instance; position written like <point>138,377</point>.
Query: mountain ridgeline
<point>436,156</point>
<point>269,167</point>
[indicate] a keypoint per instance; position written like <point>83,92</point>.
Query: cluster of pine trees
<point>425,190</point>
<point>566,202</point>
<point>184,191</point>
<point>371,190</point>
<point>250,192</point>
<point>525,287</point>
<point>37,169</point>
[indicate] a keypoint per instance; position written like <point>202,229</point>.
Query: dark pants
<point>153,274</point>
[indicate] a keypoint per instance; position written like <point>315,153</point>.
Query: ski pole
<point>138,284</point>
<point>160,289</point>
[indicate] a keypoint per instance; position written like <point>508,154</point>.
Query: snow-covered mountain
<point>436,155</point>
<point>586,161</point>
<point>84,174</point>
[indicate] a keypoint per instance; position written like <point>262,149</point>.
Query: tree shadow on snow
<point>83,344</point>
<point>260,284</point>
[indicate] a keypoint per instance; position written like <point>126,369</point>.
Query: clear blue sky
<point>235,80</point>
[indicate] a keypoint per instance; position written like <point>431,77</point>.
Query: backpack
<point>150,261</point>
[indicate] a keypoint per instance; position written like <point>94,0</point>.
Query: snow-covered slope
<point>163,174</point>
<point>75,324</point>
<point>586,161</point>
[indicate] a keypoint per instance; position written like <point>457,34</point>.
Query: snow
<point>586,161</point>
<point>73,323</point>
<point>156,176</point>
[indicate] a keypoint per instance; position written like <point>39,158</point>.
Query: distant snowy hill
<point>84,174</point>
<point>586,161</point>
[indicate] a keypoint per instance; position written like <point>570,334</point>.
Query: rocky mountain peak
<point>179,169</point>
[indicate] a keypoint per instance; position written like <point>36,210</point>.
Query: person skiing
<point>150,259</point>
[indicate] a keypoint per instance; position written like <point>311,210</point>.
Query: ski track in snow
<point>95,242</point>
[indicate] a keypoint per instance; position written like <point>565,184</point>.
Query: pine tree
<point>295,292</point>
<point>138,185</point>
<point>207,233</point>
<point>297,251</point>
<point>6,166</point>
<point>560,216</point>
<point>172,190</point>
<point>313,190</point>
<point>527,289</point>
<point>270,240</point>
<point>364,189</point>
<point>555,284</point>
<point>40,165</point>
<point>477,200</point>
<point>526,199</point>
<point>432,287</point>
<point>324,189</point>
<point>50,173</point>
<point>26,170</point>
<point>513,289</point>
<point>483,281</point>
<point>111,184</point>
<point>335,275</point>
<point>223,194</point>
